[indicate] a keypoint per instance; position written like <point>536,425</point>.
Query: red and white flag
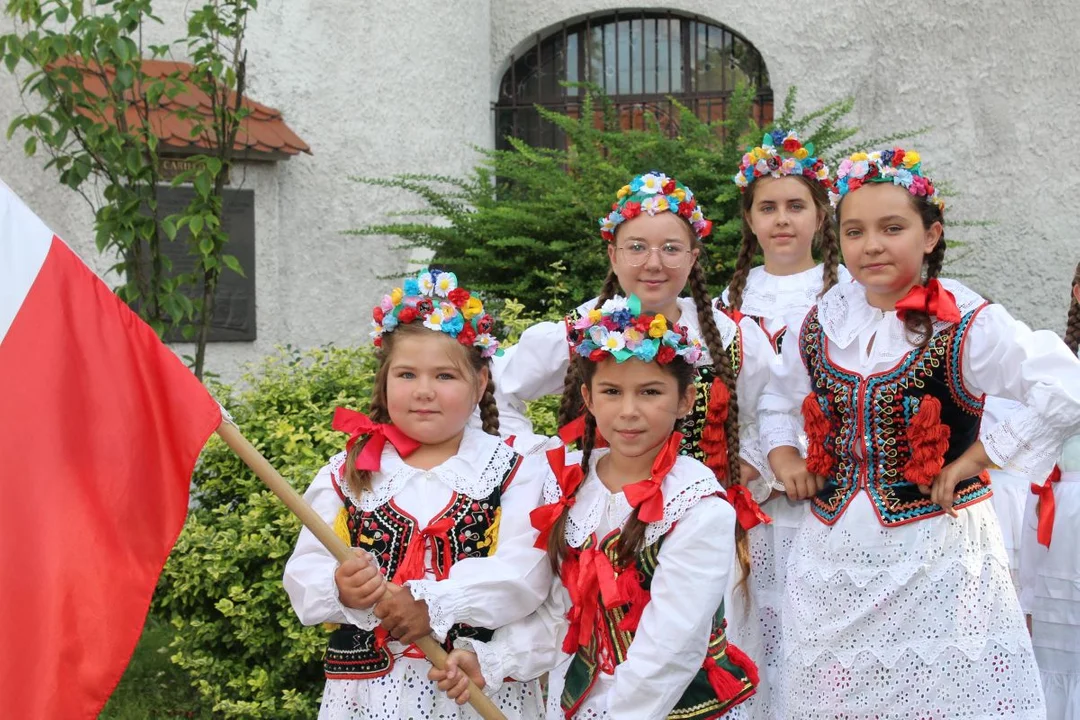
<point>100,428</point>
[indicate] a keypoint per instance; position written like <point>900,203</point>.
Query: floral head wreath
<point>898,166</point>
<point>653,193</point>
<point>620,330</point>
<point>434,298</point>
<point>781,153</point>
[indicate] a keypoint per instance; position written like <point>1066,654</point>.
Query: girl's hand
<point>943,490</point>
<point>360,584</point>
<point>403,617</point>
<point>747,473</point>
<point>790,469</point>
<point>461,666</point>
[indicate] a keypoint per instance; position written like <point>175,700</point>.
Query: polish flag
<point>100,428</point>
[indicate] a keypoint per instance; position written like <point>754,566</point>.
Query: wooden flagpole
<point>318,527</point>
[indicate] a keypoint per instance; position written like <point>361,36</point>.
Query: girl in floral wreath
<point>786,216</point>
<point>1050,564</point>
<point>641,539</point>
<point>898,601</point>
<point>438,512</point>
<point>654,238</point>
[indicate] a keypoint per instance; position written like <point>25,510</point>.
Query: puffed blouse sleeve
<point>1003,357</point>
<point>780,421</point>
<point>309,573</point>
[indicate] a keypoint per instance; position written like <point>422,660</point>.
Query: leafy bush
<point>524,221</point>
<point>235,632</point>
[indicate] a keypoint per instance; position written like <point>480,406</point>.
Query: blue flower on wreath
<point>411,287</point>
<point>389,322</point>
<point>778,137</point>
<point>621,317</point>
<point>903,177</point>
<point>454,325</point>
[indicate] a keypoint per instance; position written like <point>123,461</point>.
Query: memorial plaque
<point>234,301</point>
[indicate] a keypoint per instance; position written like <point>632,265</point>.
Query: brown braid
<point>1072,328</point>
<point>917,323</point>
<point>609,289</point>
<point>360,480</point>
<point>830,253</point>
<point>489,410</point>
<point>747,250</point>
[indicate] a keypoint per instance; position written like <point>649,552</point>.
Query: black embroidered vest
<point>869,420</point>
<point>386,531</point>
<point>610,643</point>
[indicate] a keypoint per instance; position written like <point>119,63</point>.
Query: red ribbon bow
<point>645,495</point>
<point>589,578</point>
<point>747,511</point>
<point>358,425</point>
<point>931,298</point>
<point>574,429</point>
<point>412,565</point>
<point>1046,506</point>
<point>544,517</point>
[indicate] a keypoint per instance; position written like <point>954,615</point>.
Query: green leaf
<point>203,185</point>
<point>196,224</point>
<point>30,147</point>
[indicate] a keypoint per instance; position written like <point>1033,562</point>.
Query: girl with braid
<point>1050,564</point>
<point>786,216</point>
<point>640,538</point>
<point>438,512</point>
<point>898,601</point>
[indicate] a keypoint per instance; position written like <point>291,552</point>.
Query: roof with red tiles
<point>263,133</point>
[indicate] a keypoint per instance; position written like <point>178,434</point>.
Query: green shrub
<point>524,221</point>
<point>235,632</point>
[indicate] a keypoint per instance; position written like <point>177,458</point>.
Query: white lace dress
<point>693,568</point>
<point>1010,489</point>
<point>774,299</point>
<point>1050,578</point>
<point>482,592</point>
<point>917,620</point>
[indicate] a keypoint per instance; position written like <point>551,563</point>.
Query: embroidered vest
<point>694,422</point>
<point>720,684</point>
<point>470,530</point>
<point>873,425</point>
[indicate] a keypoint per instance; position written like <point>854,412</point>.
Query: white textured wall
<point>407,87</point>
<point>375,90</point>
<point>996,80</point>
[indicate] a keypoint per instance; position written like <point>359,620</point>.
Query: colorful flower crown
<point>461,315</point>
<point>654,193</point>
<point>898,166</point>
<point>781,153</point>
<point>619,329</point>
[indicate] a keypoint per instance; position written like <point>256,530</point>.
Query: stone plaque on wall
<point>234,301</point>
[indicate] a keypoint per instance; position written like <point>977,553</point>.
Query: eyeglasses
<point>672,255</point>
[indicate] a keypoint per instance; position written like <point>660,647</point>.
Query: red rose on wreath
<point>377,314</point>
<point>378,341</point>
<point>467,336</point>
<point>597,355</point>
<point>705,229</point>
<point>484,323</point>
<point>458,296</point>
<point>665,354</point>
<point>669,187</point>
<point>854,184</point>
<point>642,322</point>
<point>631,210</point>
<point>898,157</point>
<point>686,209</point>
<point>407,315</point>
<point>424,306</point>
<point>791,145</point>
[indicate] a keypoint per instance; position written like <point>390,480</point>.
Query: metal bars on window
<point>639,59</point>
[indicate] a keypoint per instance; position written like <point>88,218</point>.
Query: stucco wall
<point>996,80</point>
<point>408,88</point>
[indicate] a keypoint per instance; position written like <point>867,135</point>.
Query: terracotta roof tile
<point>263,130</point>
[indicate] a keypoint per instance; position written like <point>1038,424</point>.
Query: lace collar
<point>845,314</point>
<point>481,463</point>
<point>775,296</point>
<point>688,482</point>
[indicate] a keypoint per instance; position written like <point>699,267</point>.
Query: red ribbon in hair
<point>575,429</point>
<point>589,578</point>
<point>412,565</point>
<point>931,298</point>
<point>747,511</point>
<point>645,495</point>
<point>358,425</point>
<point>544,517</point>
<point>1046,505</point>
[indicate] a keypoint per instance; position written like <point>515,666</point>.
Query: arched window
<point>639,58</point>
